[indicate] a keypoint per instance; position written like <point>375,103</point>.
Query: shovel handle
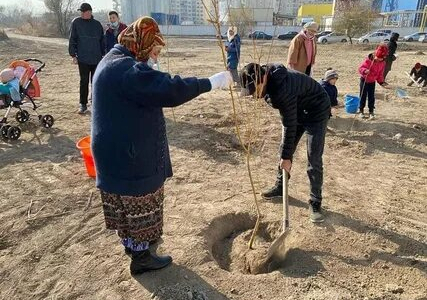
<point>285,200</point>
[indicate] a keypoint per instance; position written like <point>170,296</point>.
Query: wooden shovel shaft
<point>285,200</point>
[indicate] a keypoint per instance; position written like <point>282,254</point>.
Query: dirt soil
<point>53,241</point>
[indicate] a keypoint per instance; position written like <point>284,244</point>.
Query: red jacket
<point>376,70</point>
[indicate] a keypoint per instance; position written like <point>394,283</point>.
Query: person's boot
<point>371,115</point>
<point>144,261</point>
<point>361,114</point>
<point>315,208</point>
<point>275,192</point>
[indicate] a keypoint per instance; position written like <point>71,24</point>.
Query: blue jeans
<point>316,133</point>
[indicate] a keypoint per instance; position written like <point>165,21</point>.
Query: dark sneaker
<point>316,212</point>
<point>144,261</point>
<point>83,109</point>
<point>275,192</point>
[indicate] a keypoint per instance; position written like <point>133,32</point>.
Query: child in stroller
<point>29,89</point>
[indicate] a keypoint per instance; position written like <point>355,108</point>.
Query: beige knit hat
<point>312,26</point>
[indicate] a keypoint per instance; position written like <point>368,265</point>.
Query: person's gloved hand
<point>221,80</point>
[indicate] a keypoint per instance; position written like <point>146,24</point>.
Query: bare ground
<point>53,244</point>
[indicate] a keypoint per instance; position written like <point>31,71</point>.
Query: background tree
<point>356,19</point>
<point>63,12</point>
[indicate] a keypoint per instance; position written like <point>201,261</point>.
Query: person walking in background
<point>129,142</point>
<point>391,57</point>
<point>233,53</point>
<point>371,71</point>
<point>302,50</point>
<point>115,27</point>
<point>86,47</point>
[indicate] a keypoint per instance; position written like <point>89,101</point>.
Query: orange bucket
<point>84,146</point>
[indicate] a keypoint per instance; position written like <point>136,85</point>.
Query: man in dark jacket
<point>392,47</point>
<point>86,47</point>
<point>419,73</point>
<point>304,106</point>
<point>113,30</point>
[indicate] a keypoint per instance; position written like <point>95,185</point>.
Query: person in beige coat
<point>302,50</point>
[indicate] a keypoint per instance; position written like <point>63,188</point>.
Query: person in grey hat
<point>328,83</point>
<point>302,50</point>
<point>86,47</point>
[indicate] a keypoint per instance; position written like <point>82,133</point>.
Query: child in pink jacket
<point>371,71</point>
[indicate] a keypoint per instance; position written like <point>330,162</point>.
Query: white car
<point>332,38</point>
<point>374,37</point>
<point>413,37</point>
<point>423,38</point>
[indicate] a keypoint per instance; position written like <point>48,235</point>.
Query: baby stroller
<point>29,90</point>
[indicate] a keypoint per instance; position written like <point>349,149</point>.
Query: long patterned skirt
<point>138,218</point>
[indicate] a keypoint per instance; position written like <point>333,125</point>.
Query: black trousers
<point>367,90</point>
<point>388,64</point>
<point>316,133</point>
<point>86,73</point>
<point>308,70</point>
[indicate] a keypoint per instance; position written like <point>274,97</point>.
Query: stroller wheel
<point>22,116</point>
<point>47,121</point>
<point>14,132</point>
<point>4,130</point>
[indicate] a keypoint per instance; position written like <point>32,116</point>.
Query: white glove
<point>221,80</point>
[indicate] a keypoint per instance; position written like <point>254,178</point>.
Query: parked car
<point>323,33</point>
<point>423,38</point>
<point>333,38</point>
<point>374,37</point>
<point>287,36</point>
<point>384,31</point>
<point>413,37</point>
<point>260,35</point>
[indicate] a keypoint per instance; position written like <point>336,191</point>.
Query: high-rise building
<point>190,11</point>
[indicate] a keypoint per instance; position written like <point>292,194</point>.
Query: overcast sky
<point>39,6</point>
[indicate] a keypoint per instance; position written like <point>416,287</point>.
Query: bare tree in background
<point>63,11</point>
<point>356,19</point>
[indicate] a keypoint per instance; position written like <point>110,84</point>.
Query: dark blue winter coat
<point>233,52</point>
<point>129,142</point>
<point>331,90</point>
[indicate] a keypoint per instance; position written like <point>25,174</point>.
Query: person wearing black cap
<point>304,107</point>
<point>86,47</point>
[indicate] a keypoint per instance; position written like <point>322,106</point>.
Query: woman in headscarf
<point>302,50</point>
<point>129,140</point>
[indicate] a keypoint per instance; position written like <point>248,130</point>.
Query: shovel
<point>277,248</point>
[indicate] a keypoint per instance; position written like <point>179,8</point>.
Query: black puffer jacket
<point>299,98</point>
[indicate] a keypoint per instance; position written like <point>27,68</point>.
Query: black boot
<point>144,261</point>
<point>275,192</point>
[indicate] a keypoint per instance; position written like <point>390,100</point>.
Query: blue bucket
<point>351,103</point>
